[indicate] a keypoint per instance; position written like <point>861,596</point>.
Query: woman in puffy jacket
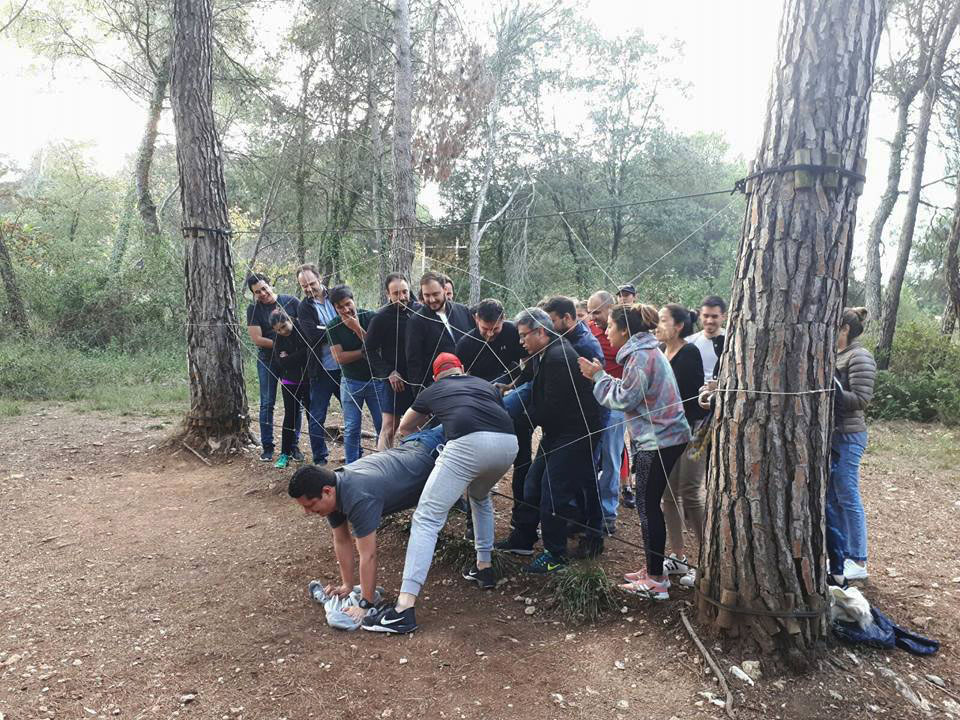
<point>648,396</point>
<point>846,522</point>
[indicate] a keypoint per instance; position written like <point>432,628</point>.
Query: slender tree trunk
<point>889,199</point>
<point>122,237</point>
<point>473,261</point>
<point>376,166</point>
<point>891,300</point>
<point>145,205</point>
<point>405,201</point>
<point>218,402</point>
<point>952,266</point>
<point>764,543</point>
<point>17,312</point>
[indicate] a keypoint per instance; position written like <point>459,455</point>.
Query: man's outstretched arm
<point>411,422</point>
<point>367,549</point>
<point>343,549</point>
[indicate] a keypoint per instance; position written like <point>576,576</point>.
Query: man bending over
<point>480,447</point>
<point>360,495</point>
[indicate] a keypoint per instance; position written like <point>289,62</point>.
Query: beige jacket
<point>857,372</point>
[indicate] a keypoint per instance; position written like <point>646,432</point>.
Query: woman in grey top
<point>846,523</point>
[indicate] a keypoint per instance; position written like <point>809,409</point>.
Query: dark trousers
<point>268,381</point>
<point>324,386</point>
<point>652,468</point>
<point>521,465</point>
<point>561,477</point>
<point>294,398</point>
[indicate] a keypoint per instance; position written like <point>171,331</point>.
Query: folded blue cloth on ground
<point>885,634</point>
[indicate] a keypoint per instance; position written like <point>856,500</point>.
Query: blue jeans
<point>268,382</point>
<point>611,457</point>
<point>353,394</point>
<point>322,388</point>
<point>846,521</point>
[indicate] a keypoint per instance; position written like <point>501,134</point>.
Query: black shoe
<point>486,578</point>
<point>629,499</point>
<point>267,455</point>
<point>588,548</point>
<point>468,533</point>
<point>297,455</point>
<point>388,620</point>
<point>320,462</point>
<point>515,544</point>
<point>837,581</point>
<point>609,527</point>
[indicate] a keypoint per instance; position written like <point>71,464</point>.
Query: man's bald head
<point>599,306</point>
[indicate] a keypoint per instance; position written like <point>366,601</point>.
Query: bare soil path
<point>138,584</point>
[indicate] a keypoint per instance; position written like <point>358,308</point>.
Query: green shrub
<point>923,382</point>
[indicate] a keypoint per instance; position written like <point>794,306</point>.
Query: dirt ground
<point>140,584</point>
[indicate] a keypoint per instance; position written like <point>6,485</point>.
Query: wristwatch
<point>365,604</point>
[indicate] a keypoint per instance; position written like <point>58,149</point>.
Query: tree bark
<point>218,403</point>
<point>764,543</point>
<point>891,301</point>
<point>952,266</point>
<point>17,312</point>
<point>145,205</point>
<point>376,169</point>
<point>405,201</point>
<point>887,202</point>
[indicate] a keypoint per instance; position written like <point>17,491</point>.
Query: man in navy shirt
<point>315,313</point>
<point>491,350</point>
<point>262,334</point>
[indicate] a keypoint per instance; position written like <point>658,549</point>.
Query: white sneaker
<point>675,566</point>
<point>854,571</point>
<point>690,579</point>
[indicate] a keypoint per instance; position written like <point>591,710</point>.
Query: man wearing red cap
<point>480,447</point>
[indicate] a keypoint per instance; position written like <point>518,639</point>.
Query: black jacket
<point>293,365</point>
<point>561,399</point>
<point>386,339</point>
<point>314,330</point>
<point>495,359</point>
<point>427,337</point>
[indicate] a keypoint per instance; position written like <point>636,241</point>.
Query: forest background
<point>522,111</point>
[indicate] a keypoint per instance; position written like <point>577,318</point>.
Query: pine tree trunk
<point>145,205</point>
<point>17,312</point>
<point>405,202</point>
<point>891,300</point>
<point>218,403</point>
<point>890,195</point>
<point>473,262</point>
<point>764,543</point>
<point>376,170</point>
<point>952,267</point>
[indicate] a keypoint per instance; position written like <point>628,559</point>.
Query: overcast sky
<point>729,53</point>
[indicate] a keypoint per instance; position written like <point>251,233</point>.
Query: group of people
<point>455,394</point>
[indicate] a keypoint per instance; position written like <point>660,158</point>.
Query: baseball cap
<point>445,361</point>
<point>629,289</point>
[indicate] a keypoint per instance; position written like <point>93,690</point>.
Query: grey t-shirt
<point>383,483</point>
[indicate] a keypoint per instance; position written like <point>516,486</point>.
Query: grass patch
<point>582,593</point>
<point>9,408</point>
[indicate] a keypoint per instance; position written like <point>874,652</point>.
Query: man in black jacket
<point>386,350</point>
<point>492,349</point>
<point>315,313</point>
<point>435,328</point>
<point>563,472</point>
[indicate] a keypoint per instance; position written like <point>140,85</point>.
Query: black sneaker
<point>588,548</point>
<point>629,499</point>
<point>297,455</point>
<point>515,544</point>
<point>468,533</point>
<point>388,620</point>
<point>267,455</point>
<point>486,578</point>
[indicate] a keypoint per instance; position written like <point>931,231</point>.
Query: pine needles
<point>582,592</point>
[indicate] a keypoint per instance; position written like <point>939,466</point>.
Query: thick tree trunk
<point>764,546</point>
<point>890,195</point>
<point>405,200</point>
<point>952,267</point>
<point>891,300</point>
<point>218,402</point>
<point>145,205</point>
<point>17,312</point>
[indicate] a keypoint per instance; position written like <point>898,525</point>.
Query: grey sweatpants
<point>473,463</point>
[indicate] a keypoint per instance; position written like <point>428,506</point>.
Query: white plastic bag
<point>335,607</point>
